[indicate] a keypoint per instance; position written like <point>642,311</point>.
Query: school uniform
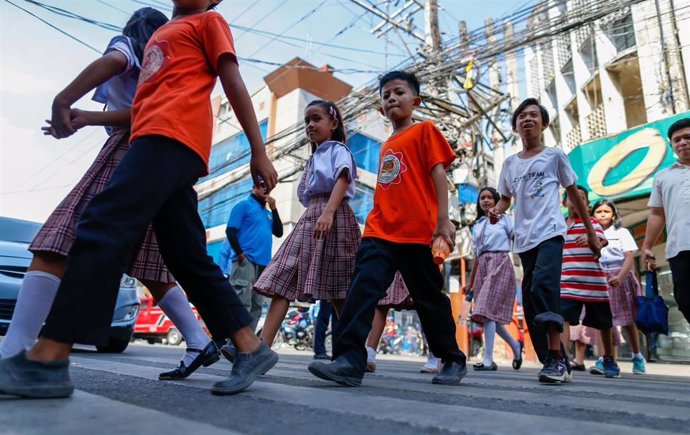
<point>623,297</point>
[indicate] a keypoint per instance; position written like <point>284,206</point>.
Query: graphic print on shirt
<point>154,59</point>
<point>535,191</point>
<point>392,168</point>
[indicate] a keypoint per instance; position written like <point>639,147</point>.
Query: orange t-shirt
<point>173,97</point>
<point>405,205</point>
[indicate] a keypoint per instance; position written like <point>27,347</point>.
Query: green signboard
<point>624,165</point>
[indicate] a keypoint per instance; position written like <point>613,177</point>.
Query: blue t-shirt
<point>254,225</point>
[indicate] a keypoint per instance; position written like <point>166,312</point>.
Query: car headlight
<point>128,281</point>
<point>131,313</point>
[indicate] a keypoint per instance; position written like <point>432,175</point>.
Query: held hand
<point>494,215</point>
<point>271,202</point>
<point>446,229</point>
<point>240,259</point>
<point>581,240</point>
<point>60,121</point>
<point>263,172</point>
<point>323,225</point>
<point>649,259</point>
<point>48,130</point>
<point>79,118</point>
<point>594,244</point>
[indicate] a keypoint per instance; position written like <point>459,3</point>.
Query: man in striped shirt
<point>584,284</point>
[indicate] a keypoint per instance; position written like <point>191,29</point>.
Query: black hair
<point>333,112</point>
<point>521,108</point>
<point>494,193</point>
<point>617,221</point>
<point>141,26</point>
<point>678,125</point>
<point>581,189</point>
<point>408,77</point>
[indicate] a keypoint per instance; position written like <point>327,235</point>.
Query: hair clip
<point>331,111</point>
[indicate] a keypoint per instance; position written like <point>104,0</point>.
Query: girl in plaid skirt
<point>317,259</point>
<point>624,287</point>
<point>114,76</point>
<point>493,280</point>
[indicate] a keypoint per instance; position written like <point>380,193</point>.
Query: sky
<point>37,61</point>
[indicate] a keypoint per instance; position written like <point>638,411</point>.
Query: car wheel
<point>174,337</point>
<point>115,345</point>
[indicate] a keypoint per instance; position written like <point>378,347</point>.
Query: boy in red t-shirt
<point>171,140</point>
<point>410,210</point>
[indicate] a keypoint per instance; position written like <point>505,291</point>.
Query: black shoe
<point>206,357</point>
<point>517,363</point>
<point>480,367</point>
<point>451,373</point>
<point>229,351</point>
<point>246,368</point>
<point>35,379</point>
<point>339,371</point>
<point>322,356</point>
<point>577,367</point>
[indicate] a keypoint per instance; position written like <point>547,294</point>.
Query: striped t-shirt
<point>582,277</point>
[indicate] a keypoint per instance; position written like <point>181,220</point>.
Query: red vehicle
<point>154,326</point>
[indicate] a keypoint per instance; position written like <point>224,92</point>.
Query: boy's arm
<point>444,227</point>
<point>582,210</point>
<point>655,225</point>
<point>98,72</point>
<point>499,209</point>
<point>262,169</point>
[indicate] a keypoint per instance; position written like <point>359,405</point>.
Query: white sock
<point>489,337</point>
<point>176,306</point>
<point>431,361</point>
<point>508,338</point>
<point>637,355</point>
<point>371,354</point>
<point>36,296</point>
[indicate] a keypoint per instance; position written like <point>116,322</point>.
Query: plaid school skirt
<point>397,296</point>
<point>623,298</point>
<point>494,288</point>
<point>58,232</point>
<point>307,269</point>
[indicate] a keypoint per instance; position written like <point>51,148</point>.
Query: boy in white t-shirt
<point>533,177</point>
<point>670,204</point>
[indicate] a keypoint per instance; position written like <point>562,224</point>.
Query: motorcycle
<point>297,330</point>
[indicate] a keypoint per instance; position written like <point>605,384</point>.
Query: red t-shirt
<point>173,97</point>
<point>405,205</point>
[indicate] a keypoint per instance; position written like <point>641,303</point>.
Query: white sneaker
<point>433,364</point>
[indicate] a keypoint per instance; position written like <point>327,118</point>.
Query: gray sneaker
<point>555,371</point>
<point>35,379</point>
<point>245,370</point>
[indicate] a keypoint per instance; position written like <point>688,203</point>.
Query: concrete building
<point>612,88</point>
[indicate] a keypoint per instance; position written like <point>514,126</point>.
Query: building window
<point>362,202</point>
<point>365,150</point>
<point>231,153</point>
<point>621,33</point>
<point>215,209</point>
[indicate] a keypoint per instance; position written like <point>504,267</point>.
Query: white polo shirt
<point>671,191</point>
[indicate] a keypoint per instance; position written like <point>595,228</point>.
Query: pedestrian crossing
<point>396,399</point>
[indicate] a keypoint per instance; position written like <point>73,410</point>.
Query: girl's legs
<point>276,314</point>
<point>489,337</point>
<point>35,298</point>
<point>175,305</point>
<point>580,353</point>
<point>374,336</point>
<point>508,338</point>
<point>634,337</point>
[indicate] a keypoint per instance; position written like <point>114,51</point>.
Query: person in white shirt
<point>624,287</point>
<point>533,177</point>
<point>670,206</point>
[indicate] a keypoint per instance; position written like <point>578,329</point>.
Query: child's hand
<point>615,281</point>
<point>60,121</point>
<point>445,229</point>
<point>263,172</point>
<point>79,118</point>
<point>494,215</point>
<point>594,244</point>
<point>581,240</point>
<point>48,130</point>
<point>649,259</point>
<point>323,225</point>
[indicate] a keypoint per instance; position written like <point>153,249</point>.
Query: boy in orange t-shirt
<point>172,124</point>
<point>410,210</point>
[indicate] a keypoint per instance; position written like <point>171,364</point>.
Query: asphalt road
<point>120,394</point>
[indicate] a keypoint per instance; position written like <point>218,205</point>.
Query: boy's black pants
<point>153,183</point>
<point>541,291</point>
<point>375,267</point>
<point>680,272</point>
